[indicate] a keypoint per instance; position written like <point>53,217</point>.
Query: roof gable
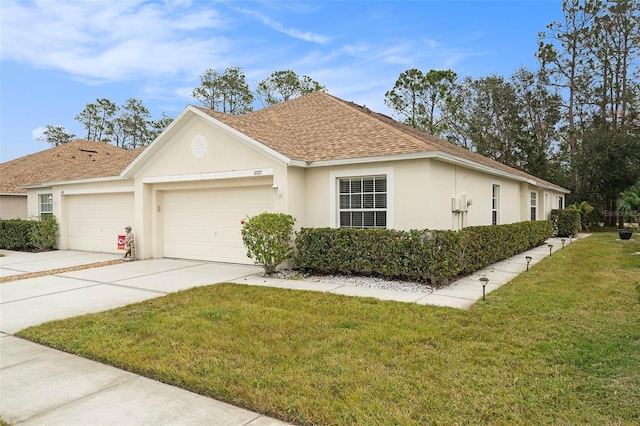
<point>79,159</point>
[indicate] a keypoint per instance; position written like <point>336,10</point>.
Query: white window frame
<point>45,199</point>
<point>334,181</point>
<point>560,202</point>
<point>533,206</point>
<point>495,204</point>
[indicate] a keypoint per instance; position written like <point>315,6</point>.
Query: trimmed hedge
<point>416,255</point>
<point>566,222</point>
<point>28,235</point>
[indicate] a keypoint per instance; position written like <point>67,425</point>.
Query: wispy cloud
<point>109,41</point>
<point>291,32</point>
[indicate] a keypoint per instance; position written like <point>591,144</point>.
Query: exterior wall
<point>13,206</point>
<point>422,193</point>
<point>202,156</point>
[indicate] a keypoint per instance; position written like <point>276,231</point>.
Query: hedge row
<point>28,235</point>
<point>566,222</point>
<point>417,255</point>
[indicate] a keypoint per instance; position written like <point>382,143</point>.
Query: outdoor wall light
<point>528,259</point>
<point>276,190</point>
<point>550,247</point>
<point>484,281</point>
<point>562,239</point>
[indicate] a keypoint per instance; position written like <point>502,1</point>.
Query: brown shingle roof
<point>79,159</point>
<point>318,127</point>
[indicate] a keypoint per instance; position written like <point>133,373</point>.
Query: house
<point>76,161</point>
<point>325,161</point>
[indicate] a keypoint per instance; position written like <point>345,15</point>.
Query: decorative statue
<point>129,243</point>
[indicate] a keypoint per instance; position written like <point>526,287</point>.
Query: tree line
<point>130,126</point>
<point>572,121</point>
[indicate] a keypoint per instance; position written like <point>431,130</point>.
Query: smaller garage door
<point>205,224</point>
<point>94,221</point>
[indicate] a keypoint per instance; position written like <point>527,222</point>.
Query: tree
<point>282,86</point>
<point>418,98</point>
<point>97,119</point>
<point>613,164</point>
<point>158,126</point>
<point>228,92</point>
<point>133,124</point>
<point>56,135</point>
<point>563,53</point>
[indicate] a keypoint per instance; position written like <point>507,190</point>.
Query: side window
<point>45,204</point>
<point>534,205</point>
<point>362,202</point>
<point>495,205</point>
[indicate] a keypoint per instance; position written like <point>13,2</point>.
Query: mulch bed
<point>57,271</point>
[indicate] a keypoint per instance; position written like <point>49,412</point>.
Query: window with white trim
<point>45,204</point>
<point>495,204</point>
<point>560,203</point>
<point>534,205</point>
<point>362,202</point>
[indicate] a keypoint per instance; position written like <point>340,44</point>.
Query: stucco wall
<point>422,194</point>
<point>13,206</point>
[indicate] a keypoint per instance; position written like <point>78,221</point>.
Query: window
<point>363,202</point>
<point>495,204</point>
<point>560,203</point>
<point>45,204</point>
<point>534,205</point>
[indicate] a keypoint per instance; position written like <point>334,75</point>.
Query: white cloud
<point>292,32</point>
<point>109,41</point>
<point>37,132</point>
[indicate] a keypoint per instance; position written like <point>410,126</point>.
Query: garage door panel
<point>205,224</point>
<point>95,220</point>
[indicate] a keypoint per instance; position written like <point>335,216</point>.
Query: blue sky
<point>57,56</point>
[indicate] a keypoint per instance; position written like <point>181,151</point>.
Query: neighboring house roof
<point>319,127</point>
<point>79,159</point>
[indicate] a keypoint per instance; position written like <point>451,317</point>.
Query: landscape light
<point>484,281</point>
<point>562,239</point>
<point>528,259</point>
<point>550,247</point>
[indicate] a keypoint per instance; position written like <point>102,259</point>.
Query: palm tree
<point>629,202</point>
<point>585,209</point>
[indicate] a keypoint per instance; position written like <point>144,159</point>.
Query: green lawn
<point>558,345</point>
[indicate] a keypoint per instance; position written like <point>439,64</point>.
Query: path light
<point>570,239</point>
<point>550,247</point>
<point>484,281</point>
<point>528,259</point>
<point>562,239</point>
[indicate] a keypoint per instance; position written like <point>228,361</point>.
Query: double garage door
<point>206,224</point>
<point>94,221</point>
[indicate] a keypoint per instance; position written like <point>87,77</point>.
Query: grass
<point>558,345</point>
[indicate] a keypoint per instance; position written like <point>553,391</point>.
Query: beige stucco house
<point>327,162</point>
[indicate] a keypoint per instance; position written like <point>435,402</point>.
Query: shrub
<point>43,233</point>
<point>566,222</point>
<point>26,235</point>
<point>267,238</point>
<point>417,255</point>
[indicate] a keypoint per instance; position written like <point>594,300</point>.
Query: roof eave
<point>440,155</point>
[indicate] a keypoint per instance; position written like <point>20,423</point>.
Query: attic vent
<point>88,150</point>
<point>198,146</point>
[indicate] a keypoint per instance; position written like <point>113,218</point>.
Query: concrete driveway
<point>39,385</point>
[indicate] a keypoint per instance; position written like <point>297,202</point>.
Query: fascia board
<point>71,182</point>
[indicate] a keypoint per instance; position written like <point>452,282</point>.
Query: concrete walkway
<point>39,385</point>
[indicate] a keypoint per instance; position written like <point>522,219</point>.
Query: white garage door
<point>94,221</point>
<point>205,224</point>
